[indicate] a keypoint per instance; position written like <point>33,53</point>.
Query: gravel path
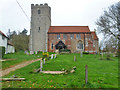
<point>23,64</point>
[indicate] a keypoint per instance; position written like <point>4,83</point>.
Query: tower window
<point>38,11</point>
<point>39,29</point>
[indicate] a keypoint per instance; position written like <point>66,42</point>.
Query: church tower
<point>40,23</point>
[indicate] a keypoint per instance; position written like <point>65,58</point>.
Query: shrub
<point>65,50</point>
<point>45,55</point>
<point>85,52</point>
<point>2,51</point>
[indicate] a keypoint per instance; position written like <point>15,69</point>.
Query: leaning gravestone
<point>81,54</point>
<point>74,58</point>
<point>44,60</point>
<point>52,56</point>
<point>36,52</point>
<point>27,53</point>
<point>55,56</point>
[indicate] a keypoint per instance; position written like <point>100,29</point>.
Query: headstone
<point>27,53</point>
<point>52,56</point>
<point>81,54</point>
<point>86,74</point>
<point>74,58</point>
<point>36,52</point>
<point>55,55</point>
<point>44,60</point>
<point>30,52</point>
<point>41,66</point>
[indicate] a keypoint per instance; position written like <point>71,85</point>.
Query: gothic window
<point>39,29</point>
<point>64,36</point>
<point>78,36</point>
<point>72,36</point>
<point>58,36</point>
<point>51,45</point>
<point>86,43</point>
<point>38,11</point>
<point>79,45</point>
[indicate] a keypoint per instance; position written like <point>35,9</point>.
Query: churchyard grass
<point>16,58</point>
<point>101,73</point>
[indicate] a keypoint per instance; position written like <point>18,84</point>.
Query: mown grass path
<point>7,71</point>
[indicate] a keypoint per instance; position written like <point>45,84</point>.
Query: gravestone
<point>55,55</point>
<point>44,60</point>
<point>27,53</point>
<point>81,54</point>
<point>52,56</point>
<point>74,58</point>
<point>36,52</point>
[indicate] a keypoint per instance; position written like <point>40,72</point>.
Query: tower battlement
<point>39,5</point>
<point>40,23</point>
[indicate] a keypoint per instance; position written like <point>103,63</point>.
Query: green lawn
<point>101,73</point>
<point>16,58</point>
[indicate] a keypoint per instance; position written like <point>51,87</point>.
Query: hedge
<point>2,51</point>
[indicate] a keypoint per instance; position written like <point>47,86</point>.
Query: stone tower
<point>40,23</point>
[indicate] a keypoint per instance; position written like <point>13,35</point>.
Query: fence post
<point>86,74</point>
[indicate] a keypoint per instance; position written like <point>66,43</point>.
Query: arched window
<point>38,11</point>
<point>51,45</point>
<point>79,45</point>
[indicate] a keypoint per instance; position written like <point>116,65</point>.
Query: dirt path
<point>23,64</point>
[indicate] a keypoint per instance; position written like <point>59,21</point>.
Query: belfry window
<point>39,29</point>
<point>38,11</point>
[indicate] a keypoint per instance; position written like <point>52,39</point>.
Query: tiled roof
<point>3,34</point>
<point>94,35</point>
<point>68,29</point>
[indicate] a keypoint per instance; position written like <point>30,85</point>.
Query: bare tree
<point>109,22</point>
<point>109,25</point>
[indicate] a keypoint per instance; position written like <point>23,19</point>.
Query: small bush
<point>65,50</point>
<point>2,51</point>
<point>85,52</point>
<point>45,55</point>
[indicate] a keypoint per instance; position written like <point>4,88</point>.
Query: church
<point>44,37</point>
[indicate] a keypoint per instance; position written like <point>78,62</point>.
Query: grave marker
<point>55,56</point>
<point>36,52</point>
<point>44,60</point>
<point>74,58</point>
<point>81,54</point>
<point>86,74</point>
<point>52,56</point>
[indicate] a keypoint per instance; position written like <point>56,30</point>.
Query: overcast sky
<point>63,13</point>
